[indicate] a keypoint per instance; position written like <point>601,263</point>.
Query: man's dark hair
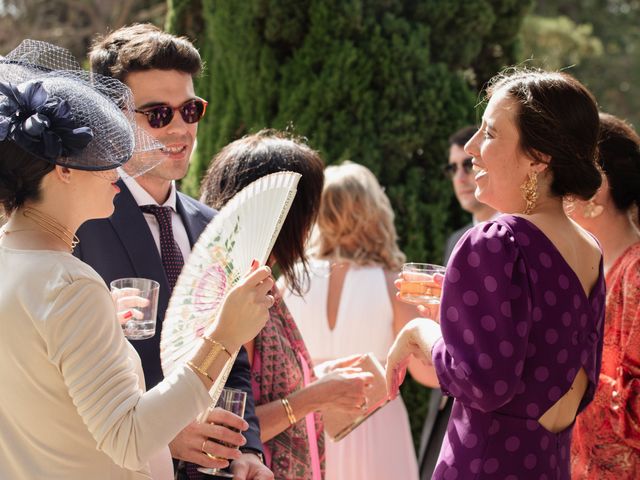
<point>462,136</point>
<point>142,47</point>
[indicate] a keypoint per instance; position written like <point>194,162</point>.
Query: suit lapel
<point>134,233</point>
<point>194,222</point>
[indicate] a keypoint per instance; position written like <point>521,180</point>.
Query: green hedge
<point>379,82</point>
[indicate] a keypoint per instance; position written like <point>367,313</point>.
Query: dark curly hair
<point>141,47</point>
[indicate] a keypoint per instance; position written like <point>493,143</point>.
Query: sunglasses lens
<point>450,169</point>
<point>160,116</point>
<point>192,111</point>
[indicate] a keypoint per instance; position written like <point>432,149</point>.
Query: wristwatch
<point>257,453</point>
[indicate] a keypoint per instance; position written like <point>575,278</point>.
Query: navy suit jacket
<point>122,246</point>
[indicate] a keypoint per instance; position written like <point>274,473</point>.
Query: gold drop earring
<point>530,192</point>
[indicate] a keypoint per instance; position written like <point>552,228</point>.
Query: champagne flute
<point>234,401</point>
<point>419,285</point>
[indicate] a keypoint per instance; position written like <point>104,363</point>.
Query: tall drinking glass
<point>138,299</point>
<point>420,285</point>
<point>234,401</point>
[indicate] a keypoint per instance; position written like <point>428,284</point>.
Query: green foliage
<point>556,42</point>
<point>604,47</point>
<point>380,82</point>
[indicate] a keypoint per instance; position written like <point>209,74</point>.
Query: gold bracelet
<point>195,368</point>
<point>216,344</point>
<point>289,410</point>
<point>203,368</point>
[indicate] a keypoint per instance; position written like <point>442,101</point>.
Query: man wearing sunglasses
<point>459,169</point>
<point>154,226</point>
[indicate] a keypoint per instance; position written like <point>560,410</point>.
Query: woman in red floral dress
<point>606,437</point>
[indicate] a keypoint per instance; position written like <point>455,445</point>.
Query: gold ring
<point>212,457</point>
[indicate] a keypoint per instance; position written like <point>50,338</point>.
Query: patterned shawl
<point>276,372</point>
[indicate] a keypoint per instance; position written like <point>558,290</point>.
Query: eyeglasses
<point>160,116</point>
<point>451,169</point>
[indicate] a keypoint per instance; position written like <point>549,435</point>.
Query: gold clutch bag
<point>338,424</point>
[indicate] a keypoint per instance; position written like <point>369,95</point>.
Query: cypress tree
<point>379,82</point>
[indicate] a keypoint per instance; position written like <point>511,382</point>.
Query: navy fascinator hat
<point>60,113</point>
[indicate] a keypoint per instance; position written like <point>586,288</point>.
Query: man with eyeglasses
<point>459,169</point>
<point>154,227</point>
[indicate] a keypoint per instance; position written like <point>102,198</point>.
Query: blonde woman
<point>350,308</point>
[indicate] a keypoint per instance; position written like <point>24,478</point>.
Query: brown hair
<point>254,156</point>
<point>558,117</point>
<point>355,222</point>
<point>141,47</point>
<point>620,161</point>
<point>462,136</point>
<point>21,175</point>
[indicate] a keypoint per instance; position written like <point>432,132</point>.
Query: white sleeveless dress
<point>381,448</point>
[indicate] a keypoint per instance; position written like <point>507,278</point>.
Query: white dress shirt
<point>142,197</point>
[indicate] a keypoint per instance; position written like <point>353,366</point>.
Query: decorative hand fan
<point>245,229</point>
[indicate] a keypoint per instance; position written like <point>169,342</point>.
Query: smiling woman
<point>521,137</point>
<point>523,297</point>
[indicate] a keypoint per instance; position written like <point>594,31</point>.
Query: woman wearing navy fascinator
<point>73,404</point>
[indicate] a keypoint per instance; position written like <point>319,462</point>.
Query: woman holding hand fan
<point>285,391</point>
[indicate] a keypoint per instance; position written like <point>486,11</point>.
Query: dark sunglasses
<point>161,115</point>
<point>450,169</point>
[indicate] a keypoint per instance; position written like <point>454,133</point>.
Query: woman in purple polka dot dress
<point>520,341</point>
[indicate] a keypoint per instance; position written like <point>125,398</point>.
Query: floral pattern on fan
<point>204,301</point>
<point>244,230</point>
<point>220,274</point>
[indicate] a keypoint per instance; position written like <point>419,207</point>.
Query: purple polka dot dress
<point>517,327</point>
